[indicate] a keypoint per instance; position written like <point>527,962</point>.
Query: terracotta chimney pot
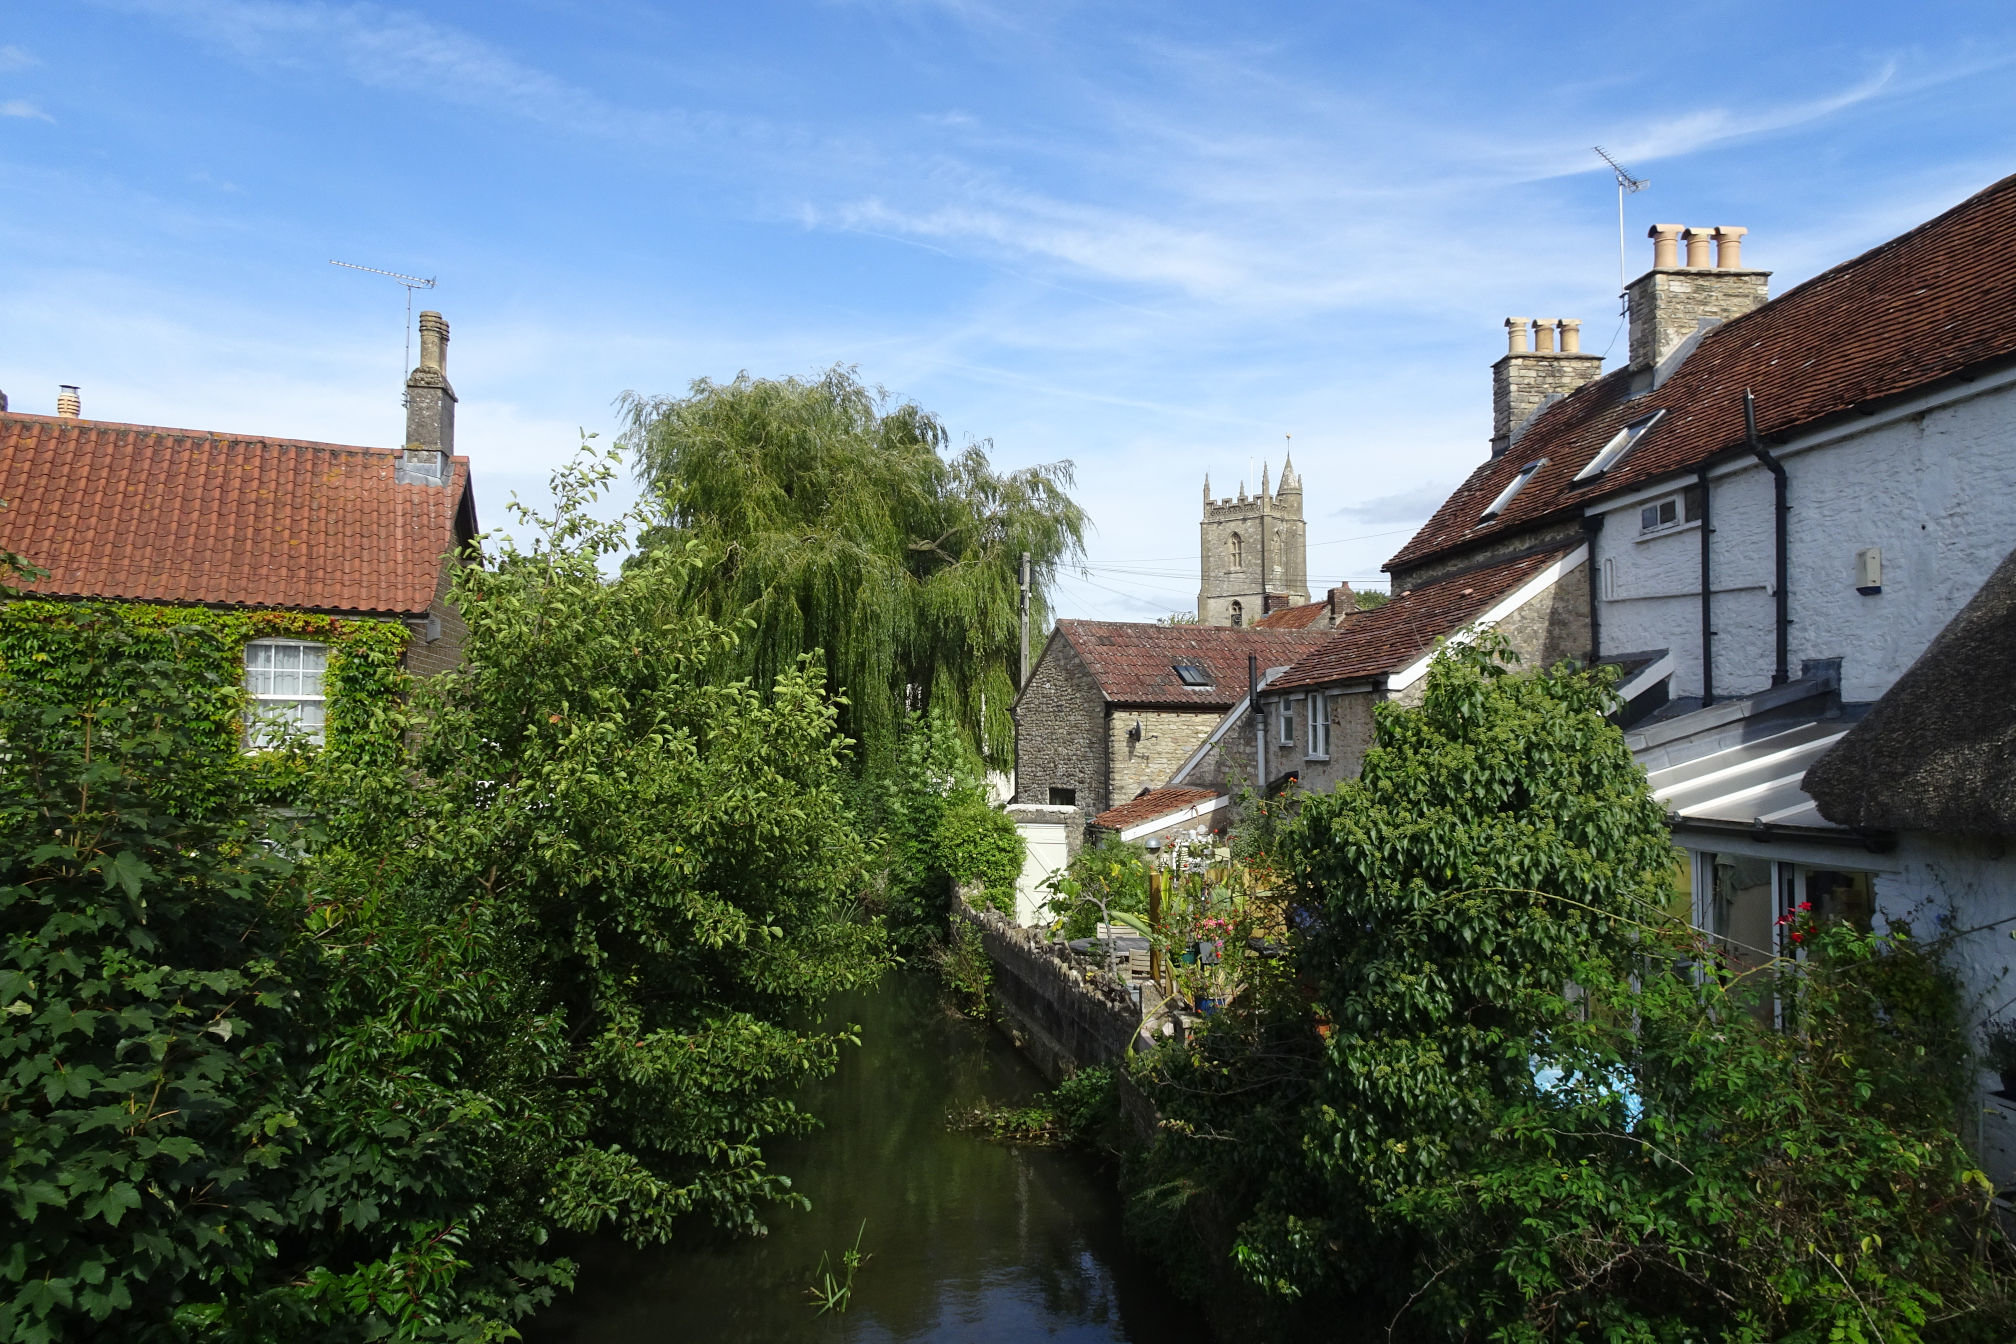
<point>1515,335</point>
<point>1729,248</point>
<point>1571,336</point>
<point>68,404</point>
<point>1665,245</point>
<point>1543,336</point>
<point>1697,248</point>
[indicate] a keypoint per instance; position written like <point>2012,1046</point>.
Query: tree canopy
<point>844,526</point>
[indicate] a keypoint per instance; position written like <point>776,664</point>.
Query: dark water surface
<point>972,1241</point>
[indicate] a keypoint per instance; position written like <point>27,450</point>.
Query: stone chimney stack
<point>430,408</point>
<point>68,404</point>
<point>1534,373</point>
<point>1671,302</point>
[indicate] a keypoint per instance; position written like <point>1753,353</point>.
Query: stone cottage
<point>198,518</point>
<point>1112,707</point>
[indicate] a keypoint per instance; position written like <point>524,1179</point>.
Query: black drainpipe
<point>1707,623</point>
<point>1784,512</point>
<point>1592,523</point>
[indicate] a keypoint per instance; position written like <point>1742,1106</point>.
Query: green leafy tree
<point>576,928</point>
<point>938,831</point>
<point>1484,1104</point>
<point>842,527</point>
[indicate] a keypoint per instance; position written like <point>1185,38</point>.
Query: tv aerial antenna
<point>1626,185</point>
<point>413,282</point>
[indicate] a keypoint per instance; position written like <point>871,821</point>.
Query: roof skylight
<point>1190,674</point>
<point>1620,443</point>
<point>1505,496</point>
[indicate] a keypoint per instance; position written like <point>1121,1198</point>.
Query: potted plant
<point>1998,1042</point>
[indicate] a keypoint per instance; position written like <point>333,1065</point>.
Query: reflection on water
<point>972,1241</point>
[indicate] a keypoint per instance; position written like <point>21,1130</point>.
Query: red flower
<point>1798,937</point>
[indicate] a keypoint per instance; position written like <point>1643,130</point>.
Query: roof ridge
<point>205,435</point>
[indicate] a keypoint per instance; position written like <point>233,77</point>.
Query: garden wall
<point>1056,1016</point>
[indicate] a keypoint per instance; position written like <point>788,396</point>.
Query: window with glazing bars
<point>284,679</point>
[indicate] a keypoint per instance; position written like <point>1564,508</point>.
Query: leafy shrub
<point>977,843</point>
<point>1112,871</point>
<point>149,990</point>
<point>938,830</point>
<point>1482,1105</point>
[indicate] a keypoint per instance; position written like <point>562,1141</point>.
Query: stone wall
<point>1059,1017</point>
<point>1167,739</point>
<point>1060,732</point>
<point>1667,305</point>
<point>1521,384</point>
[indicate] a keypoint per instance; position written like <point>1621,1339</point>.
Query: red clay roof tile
<point>1388,638</point>
<point>1135,664</point>
<point>1294,618</point>
<point>142,513</point>
<point>1924,306</point>
<point>1156,803</point>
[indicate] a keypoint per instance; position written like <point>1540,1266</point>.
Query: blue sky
<point>1150,238</point>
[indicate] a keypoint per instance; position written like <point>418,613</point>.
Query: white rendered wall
<point>1046,848</point>
<point>1933,486</point>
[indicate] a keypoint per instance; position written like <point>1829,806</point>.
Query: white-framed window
<point>284,679</point>
<point>1287,708</point>
<point>1663,515</point>
<point>1319,727</point>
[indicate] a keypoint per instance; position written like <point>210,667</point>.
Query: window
<point>1319,727</point>
<point>1238,614</point>
<point>1610,579</point>
<point>1237,552</point>
<point>1063,797</point>
<point>284,679</point>
<point>1505,496</point>
<point>1620,443</point>
<point>1672,511</point>
<point>1190,674</point>
<point>1287,723</point>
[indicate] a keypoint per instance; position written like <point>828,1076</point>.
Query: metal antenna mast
<point>1625,183</point>
<point>413,282</point>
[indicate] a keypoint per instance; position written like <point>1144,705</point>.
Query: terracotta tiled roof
<point>175,515</point>
<point>1156,803</point>
<point>1294,618</point>
<point>1924,306</point>
<point>1135,664</point>
<point>1388,638</point>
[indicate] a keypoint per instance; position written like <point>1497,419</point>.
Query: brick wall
<point>1060,732</point>
<point>443,654</point>
<point>1167,739</point>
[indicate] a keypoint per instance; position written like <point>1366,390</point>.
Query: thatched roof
<point>1938,752</point>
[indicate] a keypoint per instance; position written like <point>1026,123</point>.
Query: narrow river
<point>971,1241</point>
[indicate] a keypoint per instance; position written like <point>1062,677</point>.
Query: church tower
<point>1249,545</point>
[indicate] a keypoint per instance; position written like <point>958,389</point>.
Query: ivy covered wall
<point>44,642</point>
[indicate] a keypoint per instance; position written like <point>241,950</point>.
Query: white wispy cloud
<point>383,47</point>
<point>15,58</point>
<point>21,107</point>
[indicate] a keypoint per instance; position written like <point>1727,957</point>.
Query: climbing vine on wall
<point>45,642</point>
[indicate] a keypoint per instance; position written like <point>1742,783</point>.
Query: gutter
<point>1783,513</point>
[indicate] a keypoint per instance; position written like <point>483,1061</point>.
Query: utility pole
<point>1023,680</point>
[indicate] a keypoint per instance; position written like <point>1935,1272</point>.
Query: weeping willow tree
<point>849,530</point>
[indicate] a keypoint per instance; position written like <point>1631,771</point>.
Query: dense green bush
<point>1110,870</point>
<point>1482,1105</point>
<point>532,962</point>
<point>151,991</point>
<point>937,831</point>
